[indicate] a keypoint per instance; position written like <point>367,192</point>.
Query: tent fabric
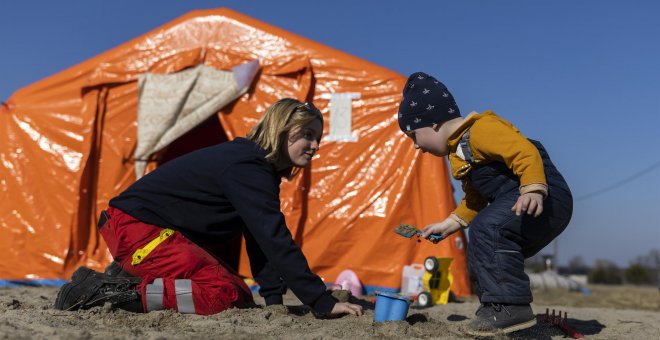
<point>169,105</point>
<point>67,146</point>
<point>31,283</point>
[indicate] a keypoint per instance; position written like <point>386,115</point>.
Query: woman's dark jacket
<point>214,193</point>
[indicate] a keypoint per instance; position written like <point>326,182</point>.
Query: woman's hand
<point>345,308</point>
<point>531,202</point>
<point>444,228</point>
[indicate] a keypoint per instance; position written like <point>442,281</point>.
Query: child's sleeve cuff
<point>541,188</point>
<point>458,219</point>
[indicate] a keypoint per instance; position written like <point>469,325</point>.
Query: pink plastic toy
<point>348,280</point>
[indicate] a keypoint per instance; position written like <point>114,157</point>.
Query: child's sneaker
<point>484,310</point>
<point>495,318</point>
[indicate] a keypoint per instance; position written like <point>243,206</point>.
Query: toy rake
<point>407,230</point>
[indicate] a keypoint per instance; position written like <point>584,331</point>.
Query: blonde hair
<point>280,118</point>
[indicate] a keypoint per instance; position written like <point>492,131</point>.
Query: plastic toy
<point>561,323</point>
<point>391,307</point>
<point>348,280</point>
<point>407,230</point>
<point>433,286</point>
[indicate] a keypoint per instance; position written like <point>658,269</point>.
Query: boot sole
<point>78,276</point>
<point>514,328</point>
<point>520,326</point>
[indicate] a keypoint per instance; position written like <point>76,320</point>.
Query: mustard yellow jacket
<point>493,139</point>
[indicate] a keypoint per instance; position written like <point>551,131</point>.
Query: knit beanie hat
<point>425,101</point>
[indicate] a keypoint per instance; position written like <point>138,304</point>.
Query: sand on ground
<point>622,312</point>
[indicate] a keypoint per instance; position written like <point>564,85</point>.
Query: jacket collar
<point>469,120</point>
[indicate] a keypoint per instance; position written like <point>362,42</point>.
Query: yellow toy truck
<point>428,286</point>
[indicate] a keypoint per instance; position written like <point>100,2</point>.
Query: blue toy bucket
<point>390,307</point>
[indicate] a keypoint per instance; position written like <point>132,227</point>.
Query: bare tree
<point>606,272</point>
<point>652,261</point>
<point>576,265</point>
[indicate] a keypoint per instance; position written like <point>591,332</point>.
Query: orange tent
<point>67,147</point>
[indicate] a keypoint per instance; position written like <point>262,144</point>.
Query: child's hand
<point>531,202</point>
<point>341,308</point>
<point>444,228</point>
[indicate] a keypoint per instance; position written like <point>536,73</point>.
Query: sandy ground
<point>608,313</point>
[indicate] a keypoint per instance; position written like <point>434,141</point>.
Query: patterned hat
<point>425,102</point>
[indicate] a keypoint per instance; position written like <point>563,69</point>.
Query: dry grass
<point>604,296</point>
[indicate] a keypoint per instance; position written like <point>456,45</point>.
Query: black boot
<point>89,289</point>
<point>115,270</point>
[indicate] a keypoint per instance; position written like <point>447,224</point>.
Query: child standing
<point>516,202</point>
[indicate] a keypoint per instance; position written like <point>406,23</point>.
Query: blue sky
<point>581,76</point>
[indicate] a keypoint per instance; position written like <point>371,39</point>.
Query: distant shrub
<point>576,266</point>
<point>637,274</point>
<point>605,272</point>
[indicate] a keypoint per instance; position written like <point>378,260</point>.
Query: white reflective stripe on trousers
<point>155,292</point>
<point>184,298</point>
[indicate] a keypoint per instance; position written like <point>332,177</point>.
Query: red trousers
<point>177,274</point>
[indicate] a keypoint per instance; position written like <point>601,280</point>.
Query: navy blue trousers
<point>500,241</point>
